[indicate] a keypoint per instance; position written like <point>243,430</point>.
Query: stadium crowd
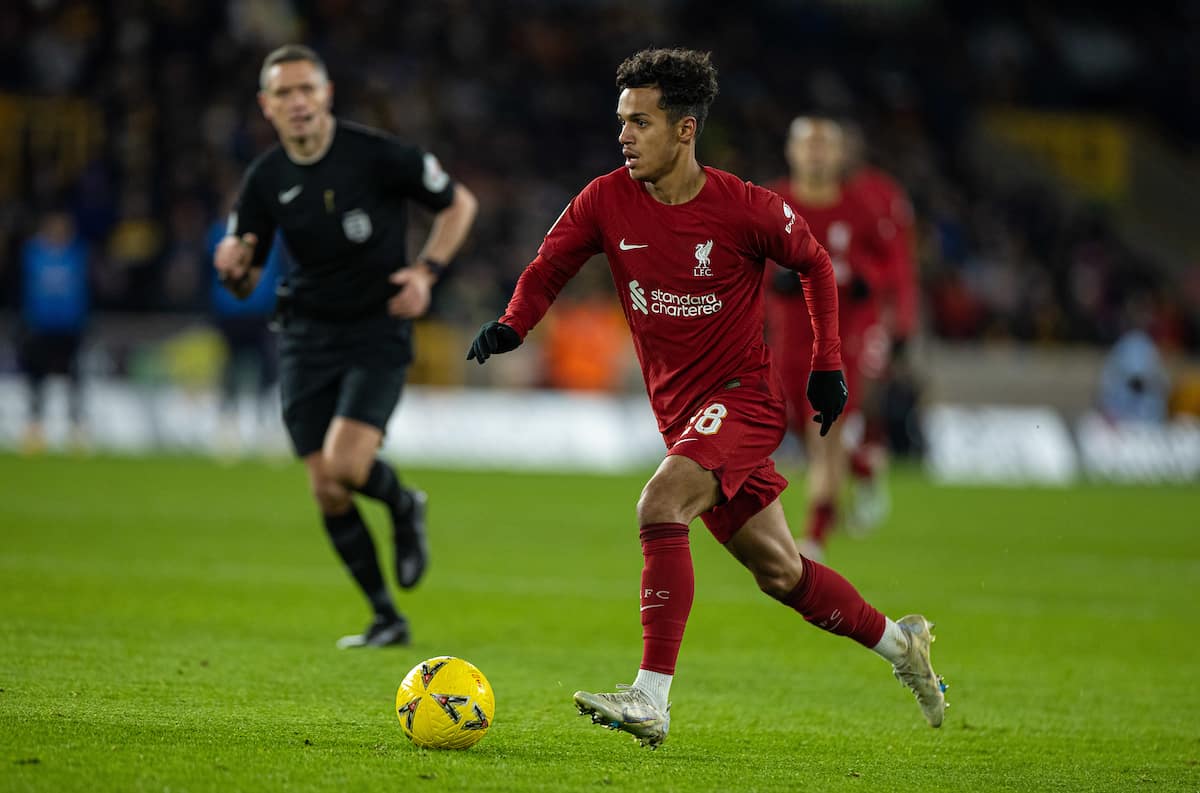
<point>137,119</point>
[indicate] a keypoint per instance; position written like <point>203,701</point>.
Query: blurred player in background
<point>849,229</point>
<point>55,303</point>
<point>899,306</point>
<point>338,193</point>
<point>686,245</point>
<point>244,324</point>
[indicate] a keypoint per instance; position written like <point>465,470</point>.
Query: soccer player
<point>899,301</point>
<point>686,245</point>
<point>849,230</point>
<point>337,192</point>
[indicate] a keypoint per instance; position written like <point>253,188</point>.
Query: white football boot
<point>629,710</point>
<point>916,672</point>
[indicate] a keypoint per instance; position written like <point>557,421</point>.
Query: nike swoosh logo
<point>683,440</point>
<point>286,196</point>
<point>653,606</point>
<point>625,246</point>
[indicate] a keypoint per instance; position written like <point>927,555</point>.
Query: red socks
<point>832,603</point>
<point>821,517</point>
<point>861,464</point>
<point>823,597</point>
<point>668,585</point>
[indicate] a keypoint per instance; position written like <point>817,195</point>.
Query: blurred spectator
<point>54,313</point>
<point>1134,384</point>
<point>249,340</point>
<point>587,345</point>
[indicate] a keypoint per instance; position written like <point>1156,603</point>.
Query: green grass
<point>168,624</point>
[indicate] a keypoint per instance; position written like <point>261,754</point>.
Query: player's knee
<point>776,577</point>
<point>332,496</point>
<point>346,471</point>
<point>655,506</point>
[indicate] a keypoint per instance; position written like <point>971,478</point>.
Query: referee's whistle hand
<point>234,255</point>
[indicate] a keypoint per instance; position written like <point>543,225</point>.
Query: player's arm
<point>447,234</point>
<point>240,256</point>
<point>571,241</point>
<point>412,173</point>
<point>449,231</point>
<point>895,230</point>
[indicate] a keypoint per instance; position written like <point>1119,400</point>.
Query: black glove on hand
<point>786,282</point>
<point>827,394</point>
<point>493,339</point>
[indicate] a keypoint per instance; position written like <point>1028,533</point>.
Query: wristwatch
<point>433,265</point>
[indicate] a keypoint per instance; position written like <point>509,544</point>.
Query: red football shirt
<point>689,278</point>
<point>883,193</point>
<point>850,231</point>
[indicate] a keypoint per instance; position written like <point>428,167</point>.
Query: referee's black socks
<point>353,543</point>
<point>382,485</point>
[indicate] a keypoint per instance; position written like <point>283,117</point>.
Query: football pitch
<point>169,624</point>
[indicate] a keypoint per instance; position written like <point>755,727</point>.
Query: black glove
<point>493,339</point>
<point>827,394</point>
<point>859,289</point>
<point>786,282</point>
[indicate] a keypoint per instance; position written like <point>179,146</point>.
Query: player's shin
<point>354,545</point>
<point>383,485</point>
<point>830,602</point>
<point>668,587</point>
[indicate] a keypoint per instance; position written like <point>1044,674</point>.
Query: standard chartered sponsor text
<point>672,305</point>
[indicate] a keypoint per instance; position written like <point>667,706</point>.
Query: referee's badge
<point>357,225</point>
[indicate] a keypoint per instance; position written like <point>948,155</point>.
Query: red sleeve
<point>572,240</point>
<point>784,236</point>
<point>895,214</point>
<point>536,289</point>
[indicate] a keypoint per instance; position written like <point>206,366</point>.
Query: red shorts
<point>733,434</point>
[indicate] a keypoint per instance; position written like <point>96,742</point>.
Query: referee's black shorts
<point>354,369</point>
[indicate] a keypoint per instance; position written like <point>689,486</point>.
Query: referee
<point>337,192</point>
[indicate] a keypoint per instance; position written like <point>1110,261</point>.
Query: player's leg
<point>826,473</point>
<point>33,359</point>
<point>764,545</point>
<point>369,395</point>
<point>677,492</point>
<point>868,458</point>
<point>342,464</point>
<point>822,463</point>
<point>309,392</point>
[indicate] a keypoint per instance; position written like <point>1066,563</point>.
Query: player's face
<point>816,149</point>
<point>297,99</point>
<point>651,144</point>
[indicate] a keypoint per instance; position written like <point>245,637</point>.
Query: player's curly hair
<point>687,79</point>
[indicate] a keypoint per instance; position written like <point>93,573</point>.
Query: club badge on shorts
<point>357,225</point>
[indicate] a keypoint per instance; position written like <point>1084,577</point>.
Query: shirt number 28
<point>707,421</point>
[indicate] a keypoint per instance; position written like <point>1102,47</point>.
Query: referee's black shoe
<point>384,631</point>
<point>408,533</point>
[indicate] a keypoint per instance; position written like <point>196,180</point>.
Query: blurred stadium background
<point>1050,154</point>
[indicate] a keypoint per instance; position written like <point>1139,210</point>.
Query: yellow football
<point>445,703</point>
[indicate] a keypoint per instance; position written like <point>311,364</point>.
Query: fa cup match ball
<point>445,703</point>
